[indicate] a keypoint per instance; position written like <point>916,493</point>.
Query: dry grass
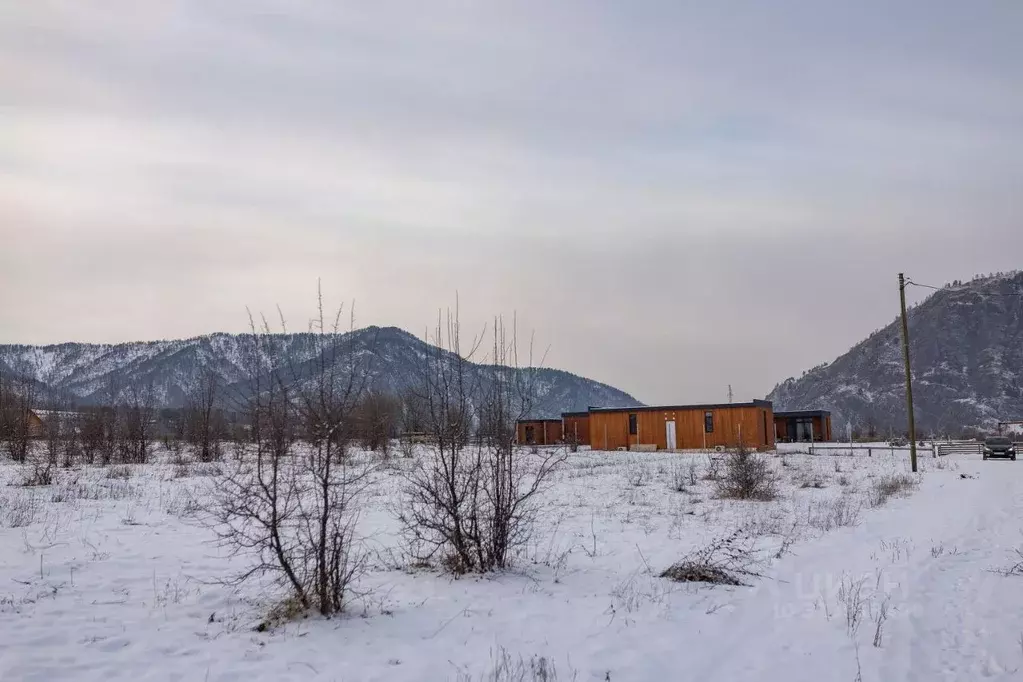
<point>730,560</point>
<point>18,508</point>
<point>835,512</point>
<point>887,487</point>
<point>507,668</point>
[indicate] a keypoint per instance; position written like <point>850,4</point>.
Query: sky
<point>670,197</point>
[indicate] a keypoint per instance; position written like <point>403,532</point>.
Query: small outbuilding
<point>683,427</point>
<point>576,427</point>
<point>538,431</point>
<point>802,426</point>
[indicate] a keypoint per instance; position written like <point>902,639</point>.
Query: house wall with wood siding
<point>576,426</point>
<point>752,424</point>
<point>545,431</point>
<point>35,425</point>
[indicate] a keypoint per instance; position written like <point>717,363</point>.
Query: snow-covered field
<point>111,574</point>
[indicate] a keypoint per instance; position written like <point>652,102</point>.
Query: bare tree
<point>377,420</point>
<point>328,400</point>
<point>137,422</point>
<point>203,424</point>
<point>512,476</point>
<point>91,433</point>
<point>18,395</point>
<point>292,506</point>
<point>473,503</point>
<point>110,417</point>
<point>442,488</point>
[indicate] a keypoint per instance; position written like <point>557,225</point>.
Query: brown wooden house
<point>802,426</point>
<point>683,427</point>
<point>35,423</point>
<point>538,431</point>
<point>576,427</point>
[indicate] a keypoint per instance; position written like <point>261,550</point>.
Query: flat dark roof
<point>664,408</point>
<point>575,414</point>
<point>804,413</point>
<point>548,419</point>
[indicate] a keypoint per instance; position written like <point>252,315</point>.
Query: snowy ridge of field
<point>111,574</point>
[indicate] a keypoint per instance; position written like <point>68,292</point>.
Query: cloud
<point>677,197</point>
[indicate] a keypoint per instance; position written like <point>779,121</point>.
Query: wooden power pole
<point>909,373</point>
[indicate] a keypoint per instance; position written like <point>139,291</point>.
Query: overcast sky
<point>675,196</point>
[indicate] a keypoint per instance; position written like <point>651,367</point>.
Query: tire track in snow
<point>964,621</point>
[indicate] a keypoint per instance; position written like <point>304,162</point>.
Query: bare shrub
<point>678,477</point>
<point>38,471</point>
<point>1014,569</point>
<point>472,501</point>
<point>835,512</point>
<point>293,509</point>
<point>887,487</point>
<point>713,472</point>
<point>407,447</point>
<point>18,508</point>
<point>691,472</point>
<point>747,476</point>
<point>731,560</point>
<point>637,474</point>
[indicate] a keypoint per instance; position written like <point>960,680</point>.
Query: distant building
<point>35,423</point>
<point>38,420</point>
<point>538,431</point>
<point>683,427</point>
<point>576,427</point>
<point>802,426</point>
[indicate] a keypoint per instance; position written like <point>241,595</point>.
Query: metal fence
<point>960,448</point>
<point>853,449</point>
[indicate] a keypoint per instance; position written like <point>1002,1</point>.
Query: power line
<point>910,282</point>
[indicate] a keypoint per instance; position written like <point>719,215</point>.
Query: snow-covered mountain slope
<point>966,344</point>
<point>89,373</point>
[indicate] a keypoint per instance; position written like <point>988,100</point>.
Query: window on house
<point>708,422</point>
<point>530,435</point>
<point>633,424</point>
<point>804,429</point>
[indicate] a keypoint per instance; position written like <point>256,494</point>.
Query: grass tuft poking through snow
<point>507,668</point>
<point>887,487</point>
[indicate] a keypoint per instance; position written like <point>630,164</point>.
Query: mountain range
<point>966,343</point>
<point>85,373</point>
<point>966,347</point>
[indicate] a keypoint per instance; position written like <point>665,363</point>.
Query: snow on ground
<point>116,578</point>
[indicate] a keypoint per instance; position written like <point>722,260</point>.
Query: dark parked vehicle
<point>999,446</point>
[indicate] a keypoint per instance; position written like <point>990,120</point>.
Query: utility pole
<point>909,373</point>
